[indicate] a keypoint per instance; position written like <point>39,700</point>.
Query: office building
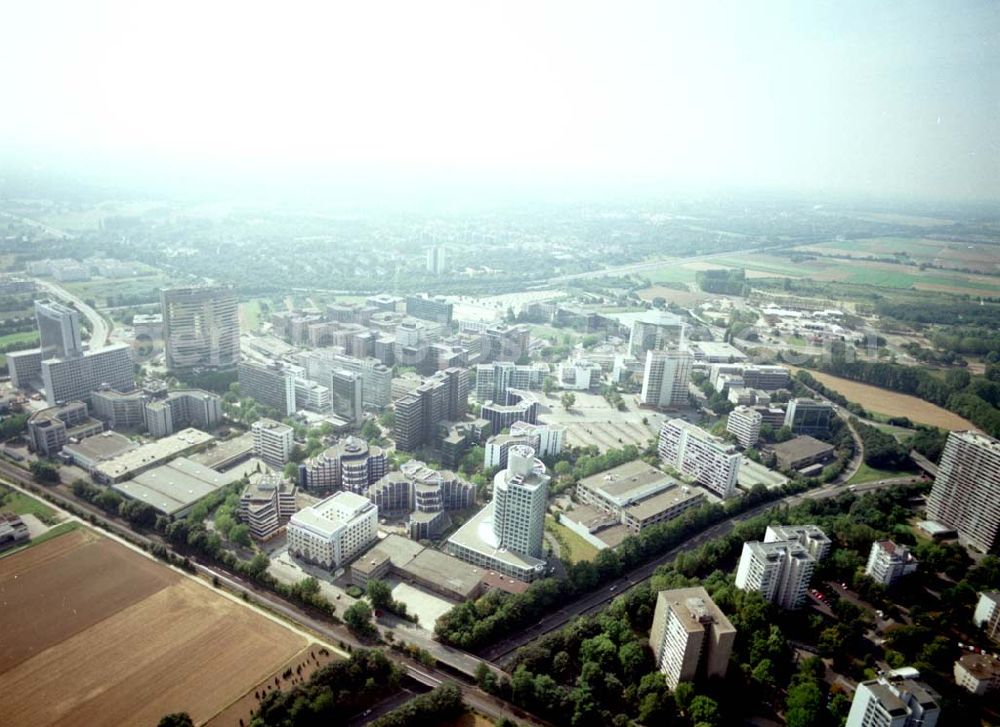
<point>655,331</point>
<point>966,492</point>
<point>888,562</point>
<point>744,423</point>
<point>333,531</point>
<point>181,409</point>
<point>310,396</point>
<point>779,571</point>
<point>376,377</point>
<point>765,376</point>
<point>266,505</point>
<point>25,368</point>
<point>424,495</point>
<point>987,614</point>
<point>58,330</point>
<point>351,464</point>
<point>807,416</point>
<point>896,699</point>
<point>346,395</point>
<point>270,384</point>
<point>690,637</point>
<point>436,260</point>
<point>638,495</point>
<point>430,309</point>
<point>50,429</point>
<point>201,327</point>
<point>505,342</point>
<point>272,441</point>
<point>813,538</point>
<point>506,535</point>
<point>66,379</point>
<point>87,453</point>
<point>579,375</point>
<point>120,410</point>
<point>493,380</point>
<point>693,452</point>
<point>517,406</point>
<point>546,439</point>
<point>418,415</point>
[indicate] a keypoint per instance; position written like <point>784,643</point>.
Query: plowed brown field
<point>95,634</point>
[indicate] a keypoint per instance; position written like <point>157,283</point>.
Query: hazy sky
<point>889,97</point>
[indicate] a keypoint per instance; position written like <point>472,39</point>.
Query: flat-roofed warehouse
<point>174,488</point>
<point>147,456</point>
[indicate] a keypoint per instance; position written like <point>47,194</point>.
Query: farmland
<point>893,404</point>
<point>95,633</point>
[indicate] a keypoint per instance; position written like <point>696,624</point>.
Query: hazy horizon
<point>881,100</point>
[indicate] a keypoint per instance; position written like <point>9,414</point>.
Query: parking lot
<point>593,421</point>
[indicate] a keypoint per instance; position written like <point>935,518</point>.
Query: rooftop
<point>153,452</point>
<point>694,608</point>
<point>101,446</point>
<point>328,516</point>
<point>801,448</point>
<point>173,487</point>
<point>629,482</point>
<point>664,501</point>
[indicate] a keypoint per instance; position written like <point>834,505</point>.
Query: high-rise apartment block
<point>270,384</point>
<point>779,571</point>
<point>690,636</point>
<point>665,378</point>
<point>333,531</point>
<point>183,408</point>
<point>58,330</point>
<point>693,452</point>
<point>807,416</point>
<point>813,538</point>
<point>987,614</point>
<point>888,562</point>
<point>201,327</point>
<point>272,441</point>
<point>896,699</point>
<point>966,492</point>
<point>744,423</point>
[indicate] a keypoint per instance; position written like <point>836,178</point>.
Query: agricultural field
<point>96,633</point>
<point>862,272</point>
<point>893,404</point>
<point>979,257</point>
<point>126,291</point>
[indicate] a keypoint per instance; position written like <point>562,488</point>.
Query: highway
<point>597,600</point>
<point>100,330</point>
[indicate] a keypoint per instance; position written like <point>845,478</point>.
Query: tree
<point>358,618</point>
<point>568,399</point>
<point>370,431</point>
<point>44,472</point>
<point>704,710</point>
<point>177,719</point>
<point>379,594</point>
<point>240,534</point>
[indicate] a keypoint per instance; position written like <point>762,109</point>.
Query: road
<point>100,330</point>
<point>597,600</point>
<point>253,596</point>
